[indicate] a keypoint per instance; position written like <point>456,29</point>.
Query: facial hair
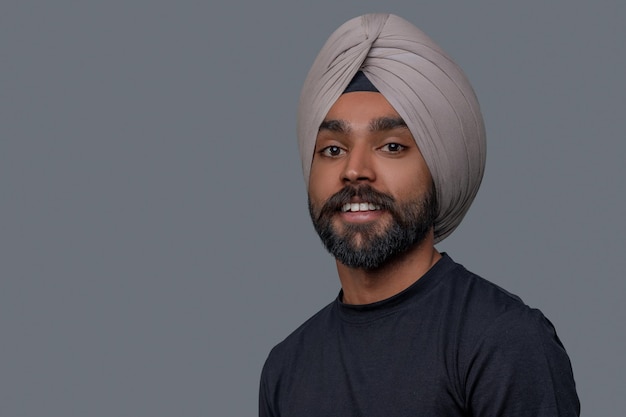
<point>368,245</point>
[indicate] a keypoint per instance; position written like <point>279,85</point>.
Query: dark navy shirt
<point>452,344</point>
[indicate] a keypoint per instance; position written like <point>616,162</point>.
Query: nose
<point>358,166</point>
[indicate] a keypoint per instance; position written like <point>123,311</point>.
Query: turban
<point>429,91</point>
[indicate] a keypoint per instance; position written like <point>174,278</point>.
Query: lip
<point>361,216</point>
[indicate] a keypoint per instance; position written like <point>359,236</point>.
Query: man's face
<point>371,196</point>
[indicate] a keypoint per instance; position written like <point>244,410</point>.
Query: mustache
<point>364,192</point>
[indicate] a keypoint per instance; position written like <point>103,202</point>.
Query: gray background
<point>154,238</point>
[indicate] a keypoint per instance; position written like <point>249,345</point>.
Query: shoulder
<point>471,303</point>
<point>510,356</point>
<point>482,314</point>
<point>299,341</point>
<point>479,289</point>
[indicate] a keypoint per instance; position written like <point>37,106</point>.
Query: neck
<point>361,286</point>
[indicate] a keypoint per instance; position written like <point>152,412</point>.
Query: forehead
<point>361,106</point>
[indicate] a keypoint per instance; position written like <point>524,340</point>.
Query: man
<point>393,150</point>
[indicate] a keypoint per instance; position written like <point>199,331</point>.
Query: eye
<point>393,148</point>
<point>332,151</point>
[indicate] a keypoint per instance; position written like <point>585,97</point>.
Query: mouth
<point>355,207</point>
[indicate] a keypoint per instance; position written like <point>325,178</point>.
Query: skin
<point>363,140</point>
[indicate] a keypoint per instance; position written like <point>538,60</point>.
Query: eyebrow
<point>380,124</point>
<point>336,126</point>
<point>387,123</point>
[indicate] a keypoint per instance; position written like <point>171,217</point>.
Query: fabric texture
<point>428,90</point>
<point>452,344</point>
<point>360,83</point>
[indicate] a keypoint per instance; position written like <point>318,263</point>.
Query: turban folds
<point>423,84</point>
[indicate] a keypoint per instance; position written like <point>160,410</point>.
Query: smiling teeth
<point>359,207</point>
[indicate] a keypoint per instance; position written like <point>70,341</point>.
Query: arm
<point>519,368</point>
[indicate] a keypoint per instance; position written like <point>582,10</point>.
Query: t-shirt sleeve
<point>266,407</point>
<point>519,368</point>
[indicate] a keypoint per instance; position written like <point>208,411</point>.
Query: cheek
<point>316,195</point>
<point>408,180</point>
<point>321,185</point>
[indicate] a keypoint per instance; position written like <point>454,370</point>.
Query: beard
<point>372,245</point>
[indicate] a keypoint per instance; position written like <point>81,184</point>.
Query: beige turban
<point>427,89</point>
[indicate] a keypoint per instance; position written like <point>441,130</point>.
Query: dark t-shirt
<point>452,344</point>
